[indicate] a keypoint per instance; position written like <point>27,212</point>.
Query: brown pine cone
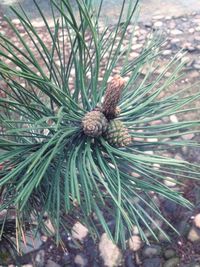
<point>94,123</point>
<point>112,97</point>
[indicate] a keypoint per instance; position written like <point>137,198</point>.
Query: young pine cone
<point>94,123</point>
<point>112,97</point>
<point>117,134</point>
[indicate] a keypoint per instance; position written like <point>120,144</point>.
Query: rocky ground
<point>184,250</point>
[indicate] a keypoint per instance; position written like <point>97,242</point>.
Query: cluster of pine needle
<point>81,152</point>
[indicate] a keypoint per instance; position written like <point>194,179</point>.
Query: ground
<point>182,31</point>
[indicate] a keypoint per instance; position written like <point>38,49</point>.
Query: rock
<point>157,17</point>
<point>196,66</point>
<point>51,263</point>
<point>193,235</point>
<point>188,136</point>
<point>175,40</point>
<point>158,24</point>
<point>129,262</point>
<point>173,118</point>
<point>136,47</point>
<point>153,140</point>
<point>151,251</point>
<point>173,262</point>
<point>191,48</point>
<point>134,243</point>
<point>194,265</point>
<point>191,30</point>
<point>170,206</point>
<point>134,55</point>
<point>168,17</point>
<point>186,60</point>
<point>170,182</point>
<point>194,74</point>
<point>166,52</point>
<point>197,220</point>
<point>79,231</point>
<point>148,24</point>
<point>39,259</point>
<point>66,259</point>
<point>153,262</point>
<point>16,21</point>
<point>176,32</point>
<point>169,253</point>
<point>135,229</point>
<point>80,260</point>
<point>183,227</point>
<point>109,252</point>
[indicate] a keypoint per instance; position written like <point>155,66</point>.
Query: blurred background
<point>111,7</point>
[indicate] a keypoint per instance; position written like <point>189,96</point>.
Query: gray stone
<point>151,251</point>
<point>196,66</point>
<point>167,52</point>
<point>173,118</point>
<point>51,263</point>
<point>176,32</point>
<point>129,261</point>
<point>80,260</point>
<point>157,17</point>
<point>194,235</point>
<point>191,30</point>
<point>170,206</point>
<point>173,262</point>
<point>175,40</point>
<point>137,47</point>
<point>158,24</point>
<point>134,55</point>
<point>152,262</point>
<point>39,259</point>
<point>169,253</point>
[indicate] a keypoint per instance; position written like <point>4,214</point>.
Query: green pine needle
<point>49,165</point>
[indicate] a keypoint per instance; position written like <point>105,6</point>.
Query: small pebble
<point>109,252</point>
<point>196,66</point>
<point>136,47</point>
<point>188,136</point>
<point>80,260</point>
<point>79,231</point>
<point>151,251</point>
<point>170,182</point>
<point>197,220</point>
<point>157,17</point>
<point>176,32</point>
<point>158,24</point>
<point>134,243</point>
<point>51,263</point>
<point>166,52</point>
<point>173,119</point>
<point>129,262</point>
<point>169,253</point>
<point>193,235</point>
<point>153,262</point>
<point>173,262</point>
